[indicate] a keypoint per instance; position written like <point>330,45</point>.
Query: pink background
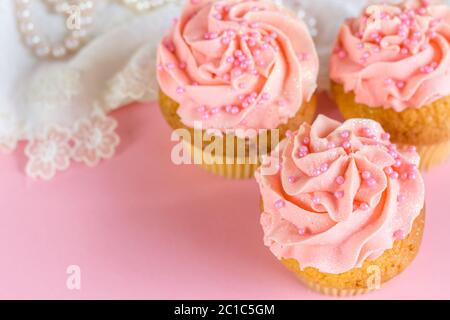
<point>142,228</point>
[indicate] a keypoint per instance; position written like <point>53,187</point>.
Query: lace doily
<point>88,141</point>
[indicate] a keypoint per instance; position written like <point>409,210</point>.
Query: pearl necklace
<point>78,15</point>
<point>143,5</point>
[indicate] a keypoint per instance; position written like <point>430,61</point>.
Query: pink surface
<point>140,227</point>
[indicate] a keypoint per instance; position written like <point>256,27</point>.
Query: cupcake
<point>392,65</point>
<point>235,70</point>
<point>343,208</point>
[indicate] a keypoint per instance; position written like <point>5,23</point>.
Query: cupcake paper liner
<point>231,169</point>
<point>433,155</point>
<point>334,292</point>
<point>219,166</point>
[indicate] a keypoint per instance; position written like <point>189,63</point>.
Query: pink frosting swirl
<point>342,194</point>
<point>237,64</point>
<point>395,56</point>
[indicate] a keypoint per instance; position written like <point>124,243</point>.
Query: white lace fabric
<point>61,109</point>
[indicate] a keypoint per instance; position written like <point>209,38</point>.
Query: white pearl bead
<point>142,5</point>
<point>87,5</point>
<point>42,51</point>
<point>33,40</point>
<point>71,43</point>
<point>26,27</point>
<point>24,14</point>
<point>22,2</point>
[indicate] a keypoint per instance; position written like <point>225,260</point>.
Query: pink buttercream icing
<point>237,64</point>
<point>340,194</point>
<point>395,56</point>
